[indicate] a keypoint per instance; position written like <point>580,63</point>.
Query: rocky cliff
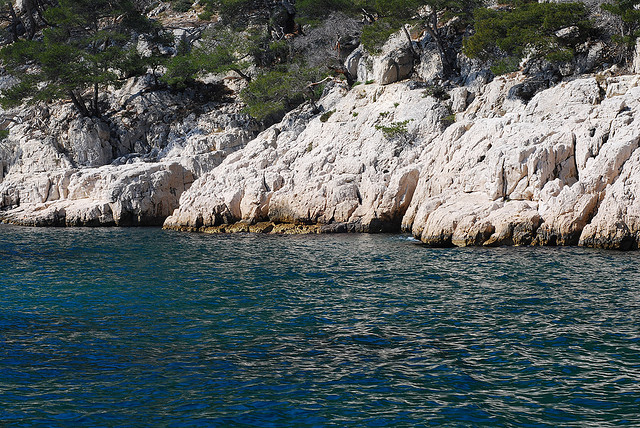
<point>477,161</point>
<point>558,170</point>
<point>129,168</point>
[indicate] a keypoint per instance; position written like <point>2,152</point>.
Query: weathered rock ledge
<point>129,195</point>
<point>558,170</point>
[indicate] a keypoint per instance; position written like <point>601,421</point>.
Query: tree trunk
<point>40,7</point>
<point>14,22</point>
<point>432,28</point>
<point>406,33</point>
<point>241,74</point>
<point>94,104</point>
<point>33,26</point>
<point>79,104</point>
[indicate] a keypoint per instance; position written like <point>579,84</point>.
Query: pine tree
<point>397,12</point>
<point>629,13</point>
<point>527,28</point>
<point>220,51</point>
<point>26,22</point>
<point>82,51</point>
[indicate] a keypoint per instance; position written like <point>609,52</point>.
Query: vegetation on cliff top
<point>527,29</point>
<point>74,49</point>
<point>83,48</point>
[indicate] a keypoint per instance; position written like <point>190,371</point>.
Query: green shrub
<point>278,52</point>
<point>182,70</point>
<point>322,8</point>
<point>629,13</point>
<point>205,16</point>
<point>436,92</point>
<point>326,115</point>
<point>181,5</point>
<point>448,120</point>
<point>395,130</point>
<point>269,96</point>
<point>221,51</point>
<point>527,28</point>
<point>505,65</point>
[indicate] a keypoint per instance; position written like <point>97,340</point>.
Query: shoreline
<point>559,170</point>
<point>281,229</point>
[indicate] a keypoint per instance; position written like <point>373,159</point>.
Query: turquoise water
<point>143,327</point>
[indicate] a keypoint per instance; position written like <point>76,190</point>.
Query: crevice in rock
<point>575,157</point>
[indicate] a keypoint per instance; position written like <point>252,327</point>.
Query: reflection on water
<point>134,327</point>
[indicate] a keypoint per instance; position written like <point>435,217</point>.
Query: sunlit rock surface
<point>558,170</point>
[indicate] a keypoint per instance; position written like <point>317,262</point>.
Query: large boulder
<point>395,62</point>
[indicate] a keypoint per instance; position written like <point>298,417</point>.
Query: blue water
<point>143,327</point>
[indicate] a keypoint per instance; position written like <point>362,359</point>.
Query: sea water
<point>144,327</point>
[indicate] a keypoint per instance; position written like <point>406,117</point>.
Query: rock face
<point>60,169</point>
<point>484,162</point>
<point>617,222</point>
<point>559,170</point>
<point>395,63</point>
<point>130,195</point>
<point>356,169</point>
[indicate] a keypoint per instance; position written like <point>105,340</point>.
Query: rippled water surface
<point>143,327</point>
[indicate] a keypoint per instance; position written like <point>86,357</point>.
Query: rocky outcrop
<point>617,222</point>
<point>355,168</point>
<point>478,161</point>
<point>128,168</point>
<point>557,170</point>
<point>394,63</point>
<point>130,195</point>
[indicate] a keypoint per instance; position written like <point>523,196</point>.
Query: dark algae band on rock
<point>149,327</point>
<point>270,227</point>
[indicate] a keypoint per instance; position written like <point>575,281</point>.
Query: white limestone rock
<point>352,61</point>
<point>617,222</point>
<point>395,62</point>
<point>505,173</point>
<point>344,170</point>
<point>139,194</point>
<point>550,154</point>
<point>636,58</point>
<point>430,68</point>
<point>561,169</point>
<point>58,168</point>
<point>89,142</point>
